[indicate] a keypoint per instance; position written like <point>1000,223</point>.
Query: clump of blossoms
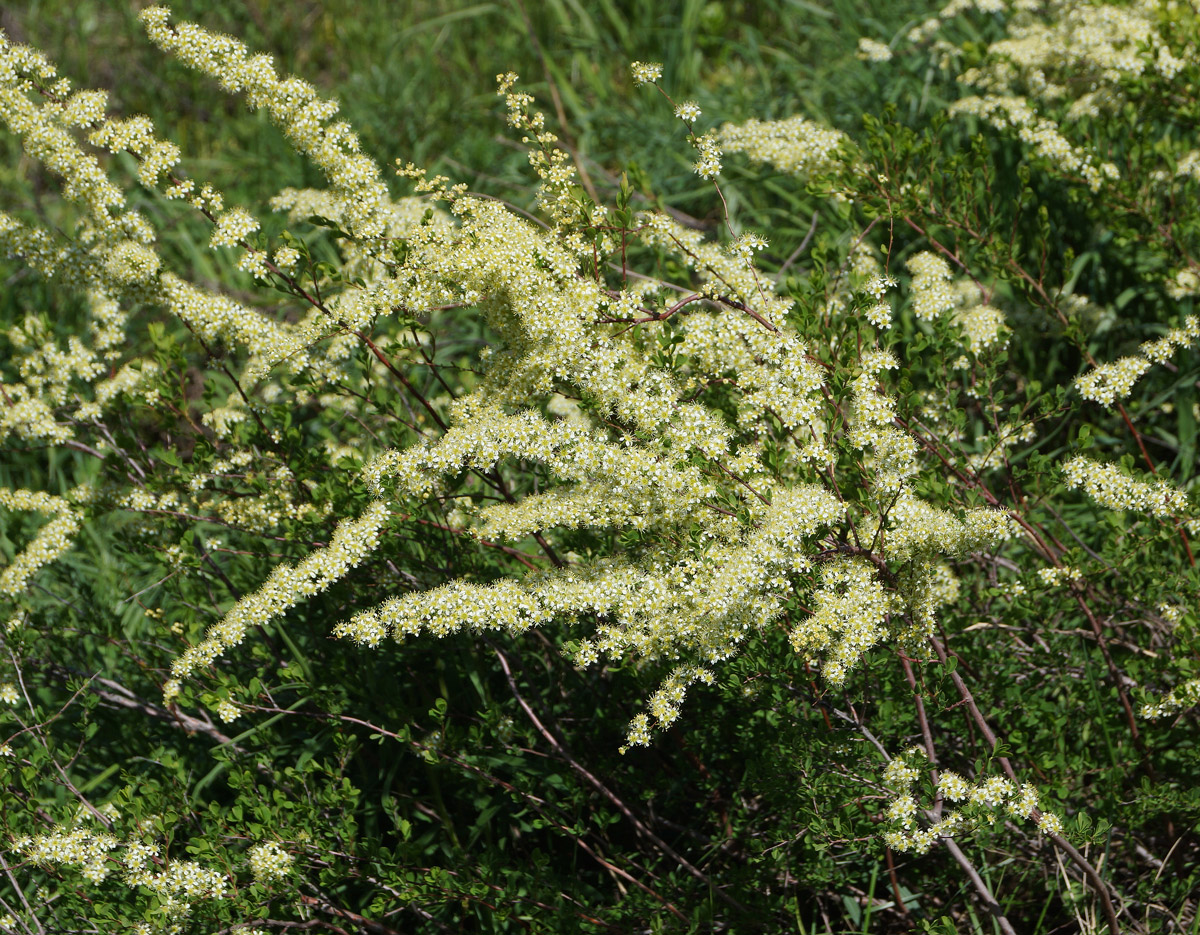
<point>351,542</point>
<point>306,119</point>
<point>1111,382</point>
<point>848,620</point>
<point>232,228</point>
<point>227,711</point>
<point>796,146</point>
<point>872,50</point>
<point>1186,282</point>
<point>1043,136</point>
<point>269,862</point>
<point>1063,574</point>
<point>984,326</point>
<point>987,802</point>
<point>51,541</point>
<point>879,314</point>
<point>80,847</point>
<point>708,146</point>
<point>99,854</point>
<point>646,72</point>
<point>1112,488</point>
<point>1184,696</point>
<point>932,291</point>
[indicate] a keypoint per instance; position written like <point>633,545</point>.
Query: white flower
<point>646,72</point>
<point>871,50</point>
<point>286,258</point>
<point>227,711</point>
<point>232,228</point>
<point>269,862</point>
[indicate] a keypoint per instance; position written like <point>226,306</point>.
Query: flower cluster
<point>1008,113</point>
<point>1057,575</point>
<point>352,541</point>
<point>918,527</point>
<point>708,146</point>
<point>872,50</point>
<point>665,703</point>
<point>552,164</point>
<point>848,618</point>
<point>269,862</point>
<point>1113,489</point>
<point>232,228</point>
<point>51,541</point>
<point>646,72</point>
<point>76,847</point>
<point>932,293</point>
<point>985,802</point>
<point>1186,282</point>
<point>305,118</point>
<point>1182,696</point>
<point>227,711</point>
<point>796,146</point>
<point>982,325</point>
<point>1111,382</point>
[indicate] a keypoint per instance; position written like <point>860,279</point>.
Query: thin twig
<point>1082,862</point>
<point>624,809</point>
<point>795,254</point>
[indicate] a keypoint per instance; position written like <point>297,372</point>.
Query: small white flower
<point>646,72</point>
<point>227,711</point>
<point>1050,823</point>
<point>286,258</point>
<point>269,862</point>
<point>232,228</point>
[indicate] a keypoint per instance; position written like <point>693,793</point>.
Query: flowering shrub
<point>841,488</point>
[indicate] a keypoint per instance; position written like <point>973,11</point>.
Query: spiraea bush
<point>391,555</point>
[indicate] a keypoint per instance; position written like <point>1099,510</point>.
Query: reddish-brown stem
<point>1082,862</point>
<point>895,881</point>
<point>1137,436</point>
<point>587,775</point>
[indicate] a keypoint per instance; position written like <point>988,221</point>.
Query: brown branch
<point>541,806</point>
<point>624,809</point>
<point>1093,875</point>
<point>795,254</point>
<point>981,887</point>
<point>378,928</point>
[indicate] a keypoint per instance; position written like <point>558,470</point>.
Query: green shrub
<point>830,573</point>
